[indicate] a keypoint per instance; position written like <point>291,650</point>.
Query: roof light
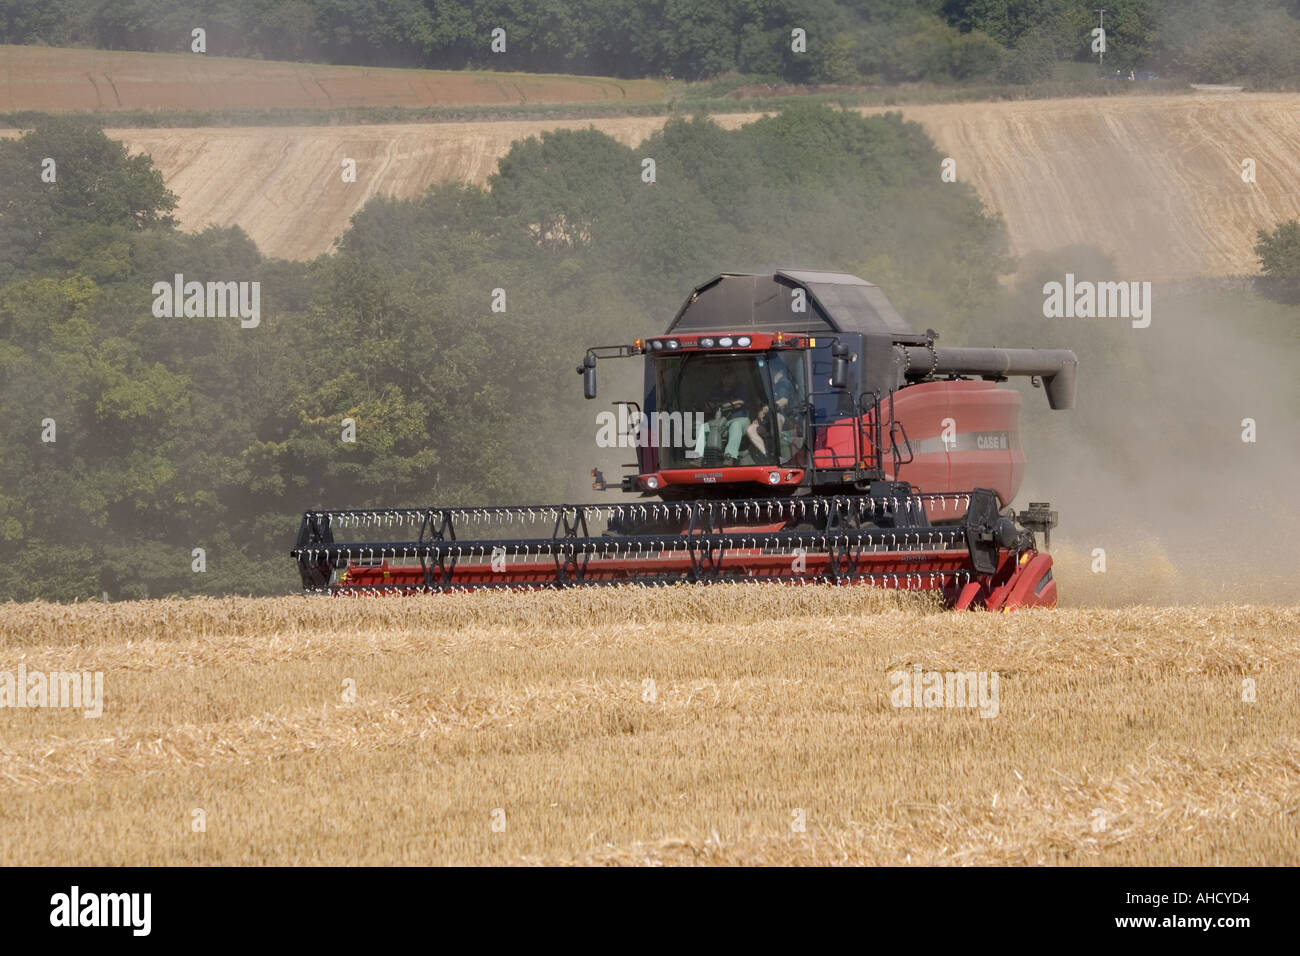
<point>706,343</point>
<point>657,345</point>
<point>638,345</point>
<point>743,341</point>
<point>672,343</point>
<point>725,341</point>
<point>780,338</point>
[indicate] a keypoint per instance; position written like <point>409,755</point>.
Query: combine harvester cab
<point>792,428</point>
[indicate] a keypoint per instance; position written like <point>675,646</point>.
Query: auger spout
<point>1056,367</point>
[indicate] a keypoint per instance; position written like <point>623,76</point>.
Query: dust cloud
<point>1156,464</point>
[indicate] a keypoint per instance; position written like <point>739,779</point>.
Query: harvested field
<point>1154,181</point>
<point>284,188</point>
<point>55,79</point>
<point>1121,735</point>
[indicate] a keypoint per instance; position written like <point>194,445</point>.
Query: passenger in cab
<point>782,397</point>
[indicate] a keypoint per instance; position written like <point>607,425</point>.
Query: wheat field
<point>725,725</point>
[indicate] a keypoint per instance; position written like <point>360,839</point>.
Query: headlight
<point>743,341</point>
<point>773,477</point>
<point>725,341</point>
<point>652,482</point>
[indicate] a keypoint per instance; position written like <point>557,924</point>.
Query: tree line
<point>845,41</point>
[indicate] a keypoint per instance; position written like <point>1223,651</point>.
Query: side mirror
<point>839,365</point>
<point>588,372</point>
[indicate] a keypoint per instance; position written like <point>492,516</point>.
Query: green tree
<point>98,194</point>
<point>1279,256</point>
<point>1033,58</point>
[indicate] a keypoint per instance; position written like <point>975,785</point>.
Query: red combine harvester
<point>793,429</point>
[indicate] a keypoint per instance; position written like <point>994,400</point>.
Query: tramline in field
<point>802,432</point>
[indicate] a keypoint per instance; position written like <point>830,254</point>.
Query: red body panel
<point>962,435</point>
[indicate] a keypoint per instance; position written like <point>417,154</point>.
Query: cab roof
<point>836,302</point>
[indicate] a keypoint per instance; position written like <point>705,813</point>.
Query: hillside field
<point>727,725</point>
<point>1154,181</point>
